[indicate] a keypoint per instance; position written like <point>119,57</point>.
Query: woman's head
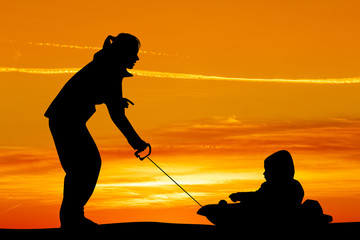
<point>279,166</point>
<point>122,49</point>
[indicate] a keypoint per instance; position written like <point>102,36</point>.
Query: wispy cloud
<point>39,70</point>
<point>224,134</point>
<point>276,80</point>
<point>157,74</point>
<point>9,209</point>
<point>83,47</point>
<point>228,153</point>
<point>47,44</point>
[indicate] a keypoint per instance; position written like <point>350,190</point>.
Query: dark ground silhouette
<point>156,230</point>
<point>99,82</point>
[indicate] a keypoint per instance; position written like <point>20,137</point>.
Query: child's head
<point>279,166</point>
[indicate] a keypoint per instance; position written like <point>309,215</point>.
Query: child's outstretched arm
<point>241,196</point>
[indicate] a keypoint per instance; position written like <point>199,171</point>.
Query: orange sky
<point>210,134</point>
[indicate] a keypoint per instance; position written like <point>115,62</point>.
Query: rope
<point>174,182</point>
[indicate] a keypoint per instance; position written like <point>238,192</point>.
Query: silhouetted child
<point>276,200</point>
<point>99,82</point>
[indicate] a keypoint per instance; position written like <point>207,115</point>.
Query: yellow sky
<point>211,133</point>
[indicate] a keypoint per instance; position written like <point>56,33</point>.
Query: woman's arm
<point>117,114</point>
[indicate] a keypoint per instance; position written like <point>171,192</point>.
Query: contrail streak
<point>10,208</point>
<point>62,45</point>
<point>81,47</point>
<point>155,74</point>
<point>39,70</point>
<point>277,80</point>
<point>46,44</point>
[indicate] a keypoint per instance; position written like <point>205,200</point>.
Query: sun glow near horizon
<point>208,168</point>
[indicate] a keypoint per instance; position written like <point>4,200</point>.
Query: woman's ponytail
<point>108,41</point>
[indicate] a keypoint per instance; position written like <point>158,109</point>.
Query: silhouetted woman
<point>99,82</point>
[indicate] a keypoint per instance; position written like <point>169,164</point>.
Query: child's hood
<point>280,164</point>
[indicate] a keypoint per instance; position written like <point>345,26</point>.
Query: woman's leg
<point>81,162</point>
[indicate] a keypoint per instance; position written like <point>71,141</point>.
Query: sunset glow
<point>218,88</point>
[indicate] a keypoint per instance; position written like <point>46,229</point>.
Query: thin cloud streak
<point>156,74</point>
<point>46,44</point>
<point>9,209</point>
